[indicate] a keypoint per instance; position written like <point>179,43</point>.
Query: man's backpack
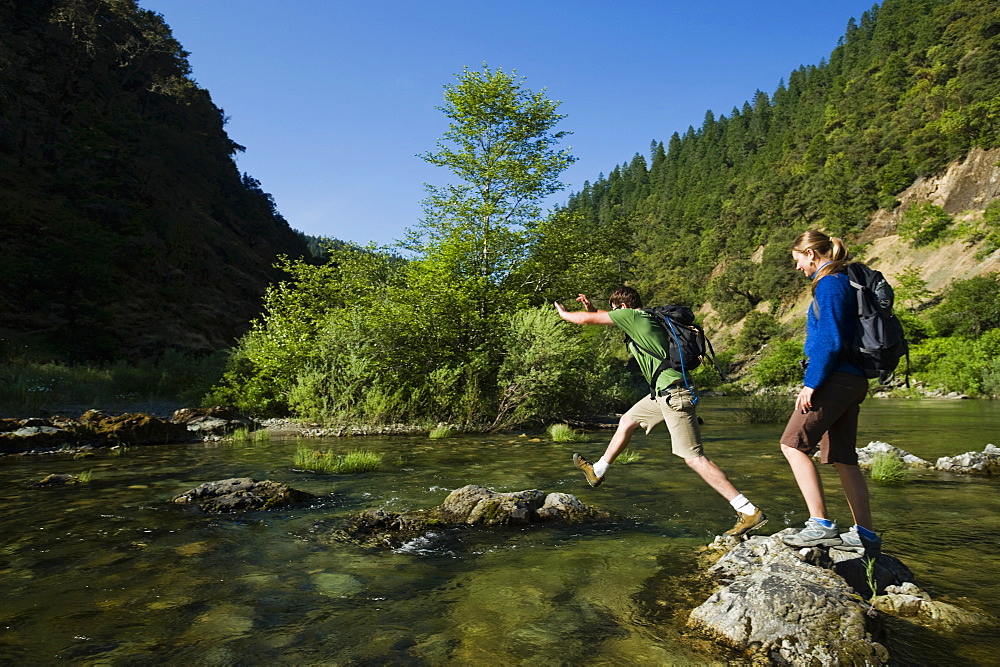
<point>687,347</point>
<point>879,340</point>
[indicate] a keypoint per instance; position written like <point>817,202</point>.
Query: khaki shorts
<point>676,409</point>
<point>832,423</point>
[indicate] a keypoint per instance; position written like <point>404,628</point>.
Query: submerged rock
<point>242,494</point>
<point>54,480</point>
<point>467,506</point>
<point>986,462</point>
<point>909,602</point>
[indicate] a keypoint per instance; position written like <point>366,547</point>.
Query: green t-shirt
<point>641,327</point>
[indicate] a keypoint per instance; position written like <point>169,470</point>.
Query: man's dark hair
<point>625,296</point>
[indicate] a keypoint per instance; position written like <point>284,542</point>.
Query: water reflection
<point>112,572</point>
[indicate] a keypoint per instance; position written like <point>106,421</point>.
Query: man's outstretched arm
<point>584,316</point>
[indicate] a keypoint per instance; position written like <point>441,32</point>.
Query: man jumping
<point>674,403</point>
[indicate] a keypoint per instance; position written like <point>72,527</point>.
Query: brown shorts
<point>676,408</point>
<point>832,422</point>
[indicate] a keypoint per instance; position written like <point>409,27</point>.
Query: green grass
<point>28,387</point>
<point>440,432</point>
<point>564,433</point>
<point>628,456</point>
<point>763,408</point>
<point>888,468</point>
<point>85,476</point>
<point>245,435</point>
<point>345,464</point>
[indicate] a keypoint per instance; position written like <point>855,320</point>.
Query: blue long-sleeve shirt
<point>830,327</point>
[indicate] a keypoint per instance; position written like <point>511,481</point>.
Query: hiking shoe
<point>853,541</point>
<point>588,470</point>
<point>747,522</point>
<point>814,535</point>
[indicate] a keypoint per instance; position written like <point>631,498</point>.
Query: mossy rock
<point>242,494</point>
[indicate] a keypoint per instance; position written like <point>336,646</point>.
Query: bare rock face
<point>468,506</point>
<point>242,494</point>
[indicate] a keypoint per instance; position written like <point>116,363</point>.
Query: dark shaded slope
<point>125,225</point>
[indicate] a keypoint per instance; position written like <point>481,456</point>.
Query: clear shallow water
<point>111,572</point>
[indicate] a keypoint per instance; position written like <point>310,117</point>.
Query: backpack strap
<point>664,362</point>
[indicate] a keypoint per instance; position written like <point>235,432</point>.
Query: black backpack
<point>879,341</point>
<point>687,347</point>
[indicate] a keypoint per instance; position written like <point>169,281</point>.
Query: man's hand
<point>586,303</point>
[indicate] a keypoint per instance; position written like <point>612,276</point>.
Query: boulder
<point>213,422</point>
<point>132,428</point>
<point>775,606</point>
<point>242,494</point>
<point>467,506</point>
<point>477,505</point>
<point>986,462</point>
<point>867,453</point>
<point>29,438</point>
<point>907,601</point>
<point>782,605</point>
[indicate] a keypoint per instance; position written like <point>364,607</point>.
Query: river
<point>111,572</point>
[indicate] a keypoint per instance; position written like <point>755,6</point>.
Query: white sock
<point>742,505</point>
<point>601,467</point>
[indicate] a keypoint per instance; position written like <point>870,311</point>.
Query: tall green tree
<point>502,147</point>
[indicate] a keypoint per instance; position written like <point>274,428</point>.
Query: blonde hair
<point>825,247</point>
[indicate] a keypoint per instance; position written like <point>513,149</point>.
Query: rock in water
<point>775,606</point>
<point>468,506</point>
<point>242,494</point>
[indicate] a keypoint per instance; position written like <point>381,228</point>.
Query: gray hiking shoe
<point>814,535</point>
<point>853,541</point>
<point>588,470</point>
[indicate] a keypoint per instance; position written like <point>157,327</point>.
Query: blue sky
<point>334,100</point>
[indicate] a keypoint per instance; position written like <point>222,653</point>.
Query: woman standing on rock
<point>827,407</point>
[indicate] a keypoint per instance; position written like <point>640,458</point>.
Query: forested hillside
<point>125,225</point>
<point>912,85</point>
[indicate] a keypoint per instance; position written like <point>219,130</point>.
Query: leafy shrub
<point>924,223</point>
<point>959,364</point>
<point>541,374</point>
<point>779,365</point>
<point>969,307</point>
<point>915,327</point>
<point>757,330</point>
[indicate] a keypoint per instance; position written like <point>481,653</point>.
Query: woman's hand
<point>803,402</point>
